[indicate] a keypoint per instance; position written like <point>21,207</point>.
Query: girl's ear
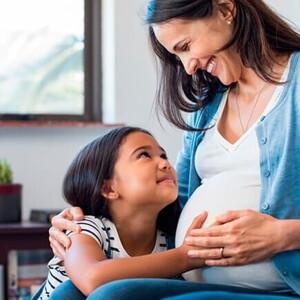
<point>108,191</point>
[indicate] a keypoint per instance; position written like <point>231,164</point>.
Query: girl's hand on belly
<point>185,248</point>
<point>246,236</point>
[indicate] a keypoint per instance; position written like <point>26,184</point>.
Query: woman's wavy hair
<point>93,165</point>
<point>259,34</point>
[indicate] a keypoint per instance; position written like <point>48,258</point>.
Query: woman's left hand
<point>240,237</point>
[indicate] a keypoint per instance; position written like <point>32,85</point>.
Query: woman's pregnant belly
<point>228,194</point>
<point>216,196</point>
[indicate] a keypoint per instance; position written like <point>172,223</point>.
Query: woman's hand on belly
<point>246,236</point>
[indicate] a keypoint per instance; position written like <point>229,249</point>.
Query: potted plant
<point>10,195</point>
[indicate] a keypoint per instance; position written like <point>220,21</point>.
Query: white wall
<point>40,156</point>
<point>287,8</point>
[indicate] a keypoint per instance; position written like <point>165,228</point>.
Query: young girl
<point>127,189</point>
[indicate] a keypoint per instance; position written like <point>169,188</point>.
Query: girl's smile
<point>143,176</point>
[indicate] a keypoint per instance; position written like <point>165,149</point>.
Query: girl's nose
<point>165,165</point>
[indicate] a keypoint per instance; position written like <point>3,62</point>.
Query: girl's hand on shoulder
<point>62,222</point>
<point>238,238</point>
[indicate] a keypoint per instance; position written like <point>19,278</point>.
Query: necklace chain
<point>252,111</point>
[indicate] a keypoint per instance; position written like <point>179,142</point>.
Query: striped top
<point>106,235</point>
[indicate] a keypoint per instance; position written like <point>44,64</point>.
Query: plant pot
<point>10,203</point>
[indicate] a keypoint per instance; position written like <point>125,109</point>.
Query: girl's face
<point>143,176</point>
<point>196,43</point>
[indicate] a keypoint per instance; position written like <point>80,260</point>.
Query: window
<point>50,58</point>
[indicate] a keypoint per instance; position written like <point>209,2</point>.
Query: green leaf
<point>5,172</point>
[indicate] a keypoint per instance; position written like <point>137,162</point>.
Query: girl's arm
<point>88,268</point>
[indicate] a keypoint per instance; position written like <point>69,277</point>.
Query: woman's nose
<point>190,66</point>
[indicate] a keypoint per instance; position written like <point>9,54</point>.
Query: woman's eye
<point>144,154</point>
<point>185,47</point>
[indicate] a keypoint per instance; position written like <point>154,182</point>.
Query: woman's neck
<point>250,83</point>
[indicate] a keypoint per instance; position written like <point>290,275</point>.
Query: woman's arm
<point>247,236</point>
<point>88,268</point>
<point>183,163</point>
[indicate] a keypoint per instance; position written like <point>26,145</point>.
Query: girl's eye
<point>164,156</point>
<point>144,154</point>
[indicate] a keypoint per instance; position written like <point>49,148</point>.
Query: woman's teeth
<point>211,65</point>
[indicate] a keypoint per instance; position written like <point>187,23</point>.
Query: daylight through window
<point>44,46</point>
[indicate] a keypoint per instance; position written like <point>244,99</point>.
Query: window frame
<point>92,74</point>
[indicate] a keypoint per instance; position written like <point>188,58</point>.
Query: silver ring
<point>221,252</point>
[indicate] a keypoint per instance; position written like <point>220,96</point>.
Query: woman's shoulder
<point>296,55</point>
<point>203,117</point>
<point>293,78</point>
<point>295,62</point>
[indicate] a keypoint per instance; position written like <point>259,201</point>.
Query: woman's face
<point>197,42</point>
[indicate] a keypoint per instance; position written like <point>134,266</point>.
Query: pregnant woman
<point>234,66</point>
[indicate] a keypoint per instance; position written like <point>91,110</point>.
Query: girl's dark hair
<point>259,34</point>
<point>92,166</point>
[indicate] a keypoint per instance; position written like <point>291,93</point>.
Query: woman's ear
<point>108,192</point>
<point>228,9</point>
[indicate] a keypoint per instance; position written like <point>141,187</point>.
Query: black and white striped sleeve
<point>91,226</point>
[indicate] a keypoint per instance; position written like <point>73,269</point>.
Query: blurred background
<point>40,155</point>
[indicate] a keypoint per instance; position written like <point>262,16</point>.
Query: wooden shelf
<point>20,236</point>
